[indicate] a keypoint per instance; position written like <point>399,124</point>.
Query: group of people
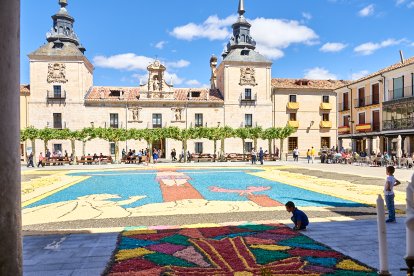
<point>56,155</point>
<point>133,154</point>
<point>257,155</point>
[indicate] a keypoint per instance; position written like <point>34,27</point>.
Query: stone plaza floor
<point>61,241</point>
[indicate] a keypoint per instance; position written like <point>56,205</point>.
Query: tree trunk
<point>116,151</point>
<point>215,150</point>
<point>73,144</point>
<point>281,149</point>
<point>45,142</point>
<point>244,149</point>
<point>84,148</point>
<point>270,146</point>
<point>34,151</point>
<point>222,149</point>
<point>151,158</point>
<point>185,150</point>
<point>255,143</point>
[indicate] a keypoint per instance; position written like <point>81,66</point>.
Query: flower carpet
<point>251,249</point>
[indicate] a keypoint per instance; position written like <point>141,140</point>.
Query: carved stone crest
<point>56,73</point>
<point>178,114</point>
<point>247,76</point>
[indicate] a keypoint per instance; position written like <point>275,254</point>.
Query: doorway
<point>160,145</point>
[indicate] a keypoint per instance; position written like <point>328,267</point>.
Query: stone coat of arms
<point>56,73</point>
<point>247,76</point>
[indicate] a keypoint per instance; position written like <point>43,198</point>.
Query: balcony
<point>246,99</point>
<point>325,106</point>
<point>363,128</point>
<point>294,124</point>
<point>344,130</point>
<point>292,105</point>
<point>343,107</point>
<point>325,124</point>
<point>401,93</point>
<point>366,101</point>
<point>51,95</point>
<point>400,124</point>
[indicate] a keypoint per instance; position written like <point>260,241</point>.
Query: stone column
<point>10,202</point>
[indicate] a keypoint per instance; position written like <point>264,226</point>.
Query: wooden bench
<point>202,157</point>
<point>55,161</point>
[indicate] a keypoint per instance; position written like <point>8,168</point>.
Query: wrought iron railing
<point>400,93</point>
<point>399,124</point>
<point>51,95</point>
<point>366,101</point>
<point>343,106</point>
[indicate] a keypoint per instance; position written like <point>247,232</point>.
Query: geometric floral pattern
<point>242,250</point>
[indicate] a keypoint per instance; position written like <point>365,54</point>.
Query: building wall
<point>309,116</point>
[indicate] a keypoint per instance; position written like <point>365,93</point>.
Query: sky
<point>313,39</point>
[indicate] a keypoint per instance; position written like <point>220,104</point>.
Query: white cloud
<point>160,45</point>
<point>370,47</point>
<point>178,64</point>
<point>193,83</point>
<point>360,74</point>
<point>283,33</point>
<point>213,28</point>
<point>410,5</point>
<point>128,61</point>
<point>367,11</point>
<point>307,15</point>
<point>319,73</point>
<point>333,47</point>
<point>399,2</point>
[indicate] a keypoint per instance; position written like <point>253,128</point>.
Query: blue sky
<point>337,39</point>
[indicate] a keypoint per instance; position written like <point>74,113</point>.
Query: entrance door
<point>160,145</point>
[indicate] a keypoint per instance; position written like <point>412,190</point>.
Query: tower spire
<point>241,8</point>
<point>63,3</point>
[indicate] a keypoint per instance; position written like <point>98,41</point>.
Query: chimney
<point>402,57</point>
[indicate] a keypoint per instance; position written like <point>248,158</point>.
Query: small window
<point>325,117</point>
<point>248,94</point>
<point>292,98</point>
<point>113,120</point>
<point>198,147</point>
<point>325,99</point>
<point>57,91</point>
<point>245,52</point>
<point>57,120</point>
<point>292,117</point>
<point>115,93</point>
<point>248,120</point>
<point>292,143</point>
<point>112,148</point>
<point>325,142</point>
<point>248,146</point>
<point>195,94</point>
<point>361,118</point>
<point>57,148</point>
<point>199,120</point>
<point>346,120</point>
<point>156,120</point>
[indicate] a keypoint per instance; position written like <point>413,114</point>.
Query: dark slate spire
<point>241,33</point>
<point>62,30</point>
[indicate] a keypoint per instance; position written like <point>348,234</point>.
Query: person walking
<point>308,155</point>
<point>41,158</point>
<point>313,153</point>
<point>296,154</point>
<point>390,183</point>
<point>253,155</point>
<point>30,161</point>
<point>261,156</point>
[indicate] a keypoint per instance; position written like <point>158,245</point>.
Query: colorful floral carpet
<point>231,250</point>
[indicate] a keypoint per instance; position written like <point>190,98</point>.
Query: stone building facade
<point>242,94</point>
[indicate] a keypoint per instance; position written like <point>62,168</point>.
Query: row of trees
<point>151,136</point>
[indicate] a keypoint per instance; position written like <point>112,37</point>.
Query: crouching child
<point>299,218</point>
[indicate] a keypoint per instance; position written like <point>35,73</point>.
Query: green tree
<point>114,135</point>
<point>255,133</point>
<point>270,134</point>
<point>30,134</point>
<point>243,133</point>
<point>285,133</point>
<point>85,135</point>
<point>48,134</point>
<point>225,133</point>
<point>213,134</point>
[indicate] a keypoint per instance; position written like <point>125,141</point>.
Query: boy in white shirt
<point>390,183</point>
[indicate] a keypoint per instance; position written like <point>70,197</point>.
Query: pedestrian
<point>299,218</point>
<point>308,155</point>
<point>173,155</point>
<point>253,155</point>
<point>47,154</point>
<point>313,153</point>
<point>30,161</point>
<point>296,154</point>
<point>155,155</point>
<point>390,183</point>
<point>261,156</point>
<point>277,153</point>
<point>40,163</point>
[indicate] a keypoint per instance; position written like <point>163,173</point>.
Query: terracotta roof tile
<point>308,84</point>
<point>131,94</point>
